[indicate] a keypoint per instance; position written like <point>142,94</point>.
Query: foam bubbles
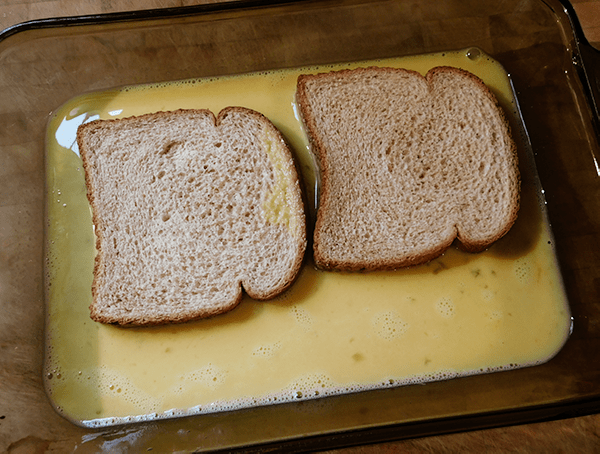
<point>266,351</point>
<point>112,383</point>
<point>522,270</point>
<point>209,376</point>
<point>473,54</point>
<point>108,382</point>
<point>306,387</point>
<point>302,317</point>
<point>311,385</point>
<point>487,294</point>
<point>444,307</point>
<point>496,315</point>
<point>52,374</point>
<point>389,325</point>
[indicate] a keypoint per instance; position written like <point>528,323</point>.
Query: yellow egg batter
<point>331,332</point>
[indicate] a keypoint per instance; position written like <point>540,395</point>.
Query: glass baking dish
<point>45,63</point>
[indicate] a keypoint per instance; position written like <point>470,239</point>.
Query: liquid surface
<point>330,333</point>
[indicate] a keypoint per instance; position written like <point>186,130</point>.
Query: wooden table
<point>580,434</point>
<point>16,11</point>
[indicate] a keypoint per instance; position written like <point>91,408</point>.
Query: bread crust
<point>192,313</point>
<point>322,257</point>
<point>470,244</point>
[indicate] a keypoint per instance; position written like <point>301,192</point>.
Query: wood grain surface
<point>15,11</point>
<point>581,434</point>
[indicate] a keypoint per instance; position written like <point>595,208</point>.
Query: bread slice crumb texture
<point>188,210</point>
<point>409,163</point>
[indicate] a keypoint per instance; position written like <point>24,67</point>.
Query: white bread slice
<point>188,209</point>
<point>408,164</point>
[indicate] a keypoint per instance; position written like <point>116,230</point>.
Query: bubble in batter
<point>522,270</point>
<point>111,383</point>
<point>445,307</point>
<point>487,294</point>
<point>302,317</point>
<point>389,325</point>
<point>496,315</point>
<point>311,385</point>
<point>209,376</point>
<point>266,351</point>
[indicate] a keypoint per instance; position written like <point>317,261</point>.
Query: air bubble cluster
<point>209,376</point>
<point>302,317</point>
<point>445,307</point>
<point>266,351</point>
<point>308,387</point>
<point>389,325</point>
<point>522,270</point>
<point>496,315</point>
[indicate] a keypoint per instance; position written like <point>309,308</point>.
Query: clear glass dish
<point>43,64</point>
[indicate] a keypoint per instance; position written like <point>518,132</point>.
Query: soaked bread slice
<point>189,210</point>
<point>408,164</point>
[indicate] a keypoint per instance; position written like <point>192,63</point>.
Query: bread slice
<point>408,164</point>
<point>189,209</point>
